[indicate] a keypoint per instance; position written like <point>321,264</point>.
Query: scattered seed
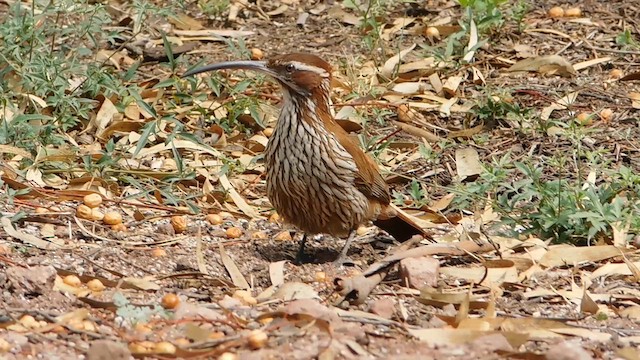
<point>95,285</point>
<point>234,232</point>
<point>170,301</point>
<point>257,339</point>
<point>158,252</point>
<point>556,12</point>
<point>72,280</point>
<point>214,219</point>
<point>573,12</point>
<point>606,114</point>
<point>92,200</point>
<point>112,218</point>
<point>256,54</point>
<point>119,227</point>
<point>83,212</point>
<point>165,347</point>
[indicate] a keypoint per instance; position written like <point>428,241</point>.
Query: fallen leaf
<point>546,65</point>
<point>276,272</point>
<point>473,42</point>
<point>236,275</point>
<point>53,243</point>
<point>561,255</point>
<point>468,163</point>
<point>391,64</point>
<point>448,337</point>
<point>295,291</point>
<point>237,198</point>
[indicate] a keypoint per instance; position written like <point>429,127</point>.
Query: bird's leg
<point>300,254</point>
<point>343,258</point>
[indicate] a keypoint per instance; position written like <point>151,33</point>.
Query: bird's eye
<point>289,67</point>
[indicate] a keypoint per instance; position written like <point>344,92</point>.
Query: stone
<point>567,350</point>
<point>420,272</point>
<point>384,307</point>
<point>108,350</point>
<point>34,280</point>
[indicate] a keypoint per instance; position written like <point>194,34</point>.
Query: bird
<point>317,177</point>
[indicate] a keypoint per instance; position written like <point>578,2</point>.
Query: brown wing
<point>368,179</point>
<point>372,185</point>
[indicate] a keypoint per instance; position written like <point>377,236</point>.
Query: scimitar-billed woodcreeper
<point>318,178</point>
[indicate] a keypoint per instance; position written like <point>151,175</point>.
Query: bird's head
<point>300,74</point>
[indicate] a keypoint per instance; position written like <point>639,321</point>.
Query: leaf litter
<point>495,296</point>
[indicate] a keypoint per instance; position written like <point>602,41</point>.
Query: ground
<point>222,281</point>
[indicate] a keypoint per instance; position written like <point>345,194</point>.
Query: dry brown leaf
<point>75,315</point>
<point>587,305</point>
<point>185,22</point>
<point>635,100</point>
<point>496,272</point>
<point>613,269</point>
<point>588,334</point>
<point>257,143</point>
<point>560,104</point>
<point>237,198</point>
<point>416,131</point>
<point>144,283</point>
<point>337,13</point>
<point>214,35</point>
<point>447,106</point>
<point>478,77</point>
<point>450,86</point>
<point>630,353</point>
<point>448,337</point>
<point>436,297</point>
<point>620,231</point>
<point>276,272</point>
<point>278,11</point>
<point>392,63</point>
<point>9,149</point>
<point>446,30</point>
<point>551,31</point>
<point>465,133</point>
<point>443,203</point>
<point>585,64</point>
<point>422,64</point>
<point>468,163</point>
<point>61,286</point>
<point>36,99</point>
<point>546,65</point>
<point>473,41</point>
<point>104,116</point>
<point>398,24</point>
<point>635,271</point>
<point>409,88</point>
<point>560,255</point>
<point>202,264</point>
<point>435,81</point>
<point>234,273</point>
<point>178,144</point>
<point>632,312</point>
<point>52,244</point>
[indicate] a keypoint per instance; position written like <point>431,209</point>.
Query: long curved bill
<point>240,64</point>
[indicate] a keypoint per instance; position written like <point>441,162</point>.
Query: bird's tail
<point>401,225</point>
